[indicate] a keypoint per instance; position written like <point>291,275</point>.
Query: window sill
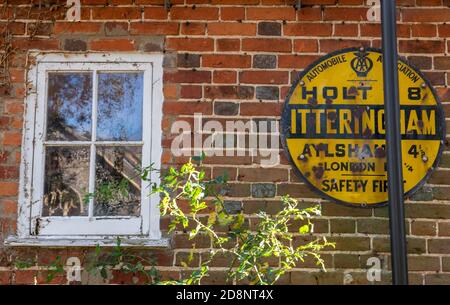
<point>62,242</point>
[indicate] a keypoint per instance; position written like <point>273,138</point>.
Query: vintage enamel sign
<point>333,127</point>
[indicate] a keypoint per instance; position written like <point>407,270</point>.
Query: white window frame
<point>34,229</point>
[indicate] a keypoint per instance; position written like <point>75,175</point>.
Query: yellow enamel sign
<point>334,134</point>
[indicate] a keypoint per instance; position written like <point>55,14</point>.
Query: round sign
<point>333,127</point>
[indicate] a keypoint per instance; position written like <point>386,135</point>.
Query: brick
<point>12,139</point>
<point>191,92</point>
<point>263,190</point>
<point>194,13</point>
<point>264,61</point>
<point>116,29</point>
<point>427,228</point>
<point>444,30</point>
<point>306,45</point>
<point>226,61</point>
<point>264,77</point>
<point>446,263</point>
<point>437,279</point>
<point>442,63</point>
<point>85,28</point>
<point>186,108</point>
<point>75,45</point>
<point>9,172</point>
<point>345,30</point>
<point>112,45</point>
<point>414,245</point>
<point>40,44</point>
<point>116,13</point>
<point>154,28</point>
<point>226,108</point>
<point>350,243</point>
<point>157,13</point>
<point>309,14</point>
<point>423,30</point>
<point>305,29</point>
<point>190,44</point>
<point>347,261</point>
<point>188,60</point>
<point>329,45</point>
<point>421,46</point>
<point>193,28</point>
<point>269,29</point>
<point>296,61</point>
<point>231,28</point>
<point>9,188</point>
<point>261,109</point>
<point>228,44</point>
<point>331,209</point>
<point>444,229</point>
<point>183,241</point>
<point>273,13</point>
<point>262,175</point>
<point>350,13</point>
<point>267,93</point>
<point>229,92</point>
<point>436,211</point>
<point>188,76</point>
<point>342,226</point>
<point>296,190</point>
<point>224,77</point>
<point>373,226</point>
<point>426,15</point>
<point>421,62</point>
<point>232,206</point>
<point>266,44</point>
<point>232,13</point>
<point>423,263</point>
<point>441,245</point>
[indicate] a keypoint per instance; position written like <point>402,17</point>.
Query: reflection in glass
<point>118,183</point>
<point>66,181</point>
<point>69,106</point>
<point>120,97</point>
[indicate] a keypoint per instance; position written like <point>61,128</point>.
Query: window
<point>92,121</point>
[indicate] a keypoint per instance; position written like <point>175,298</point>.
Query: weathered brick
<point>267,93</point>
<point>188,60</point>
<point>269,28</point>
<point>75,45</point>
<point>226,108</point>
<point>263,190</point>
<point>264,61</point>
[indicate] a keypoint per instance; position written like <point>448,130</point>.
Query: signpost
<point>334,134</point>
<point>394,147</point>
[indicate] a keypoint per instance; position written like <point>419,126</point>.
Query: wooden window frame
<point>34,229</point>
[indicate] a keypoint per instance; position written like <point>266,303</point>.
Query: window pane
<point>66,181</point>
<point>120,98</point>
<point>69,106</point>
<point>118,183</point>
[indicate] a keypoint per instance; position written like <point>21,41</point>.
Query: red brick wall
<point>219,56</point>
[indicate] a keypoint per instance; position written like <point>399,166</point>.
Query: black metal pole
<point>393,144</point>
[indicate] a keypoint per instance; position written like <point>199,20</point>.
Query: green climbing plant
<point>248,249</point>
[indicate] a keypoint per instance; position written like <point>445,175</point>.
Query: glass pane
<point>118,183</point>
<point>66,183</point>
<point>69,106</point>
<point>120,98</point>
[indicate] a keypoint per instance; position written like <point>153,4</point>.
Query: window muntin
<point>93,121</point>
